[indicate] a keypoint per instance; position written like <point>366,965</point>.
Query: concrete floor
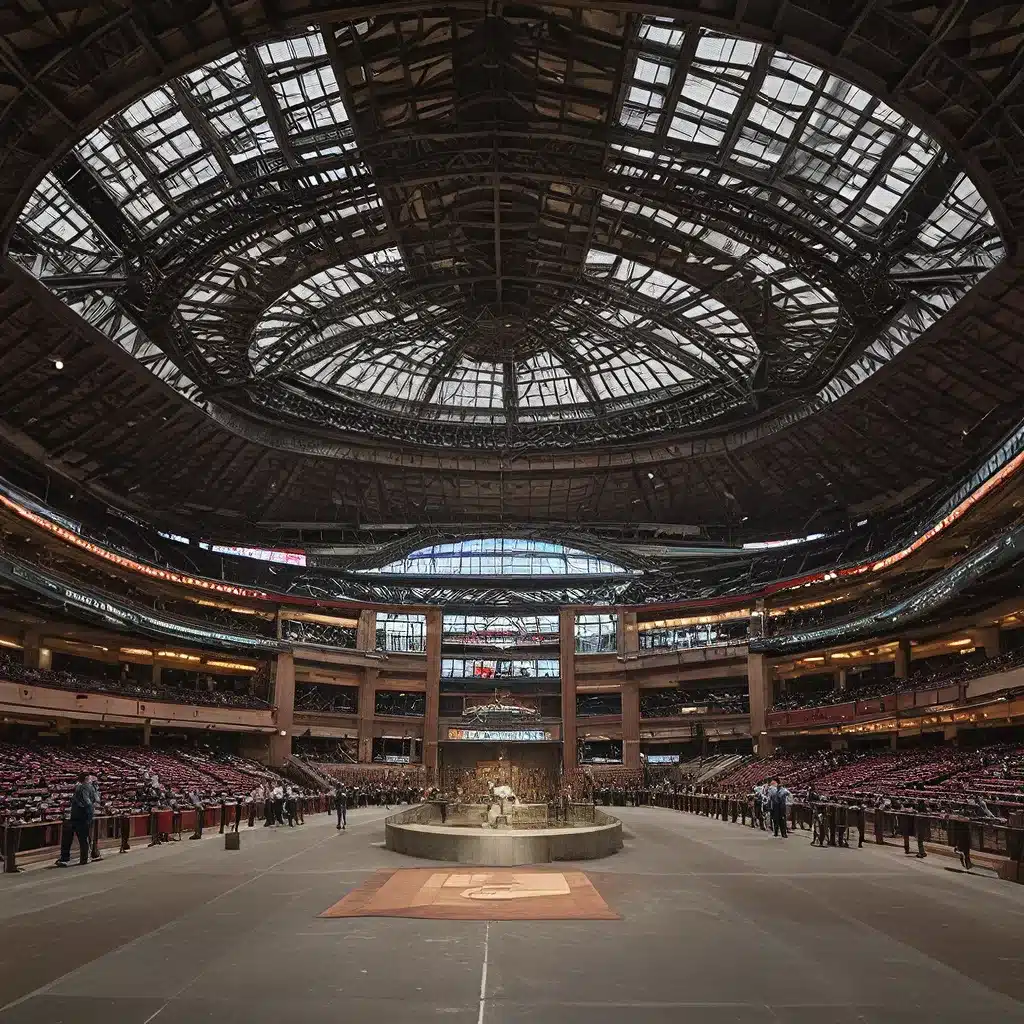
<point>720,924</point>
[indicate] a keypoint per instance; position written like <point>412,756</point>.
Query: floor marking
<point>483,974</point>
<point>44,989</point>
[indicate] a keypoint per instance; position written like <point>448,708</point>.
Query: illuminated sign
<point>500,735</point>
<point>127,563</point>
<point>663,759</point>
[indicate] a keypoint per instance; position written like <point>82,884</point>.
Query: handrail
<point>43,837</point>
<point>1000,838</point>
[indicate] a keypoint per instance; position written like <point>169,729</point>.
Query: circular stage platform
<point>529,837</point>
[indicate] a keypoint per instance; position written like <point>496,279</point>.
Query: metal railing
<point>37,840</point>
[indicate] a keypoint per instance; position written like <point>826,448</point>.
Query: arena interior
<point>622,404</point>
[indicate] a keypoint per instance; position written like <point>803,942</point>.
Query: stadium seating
<point>36,781</point>
<point>14,671</point>
<point>932,773</point>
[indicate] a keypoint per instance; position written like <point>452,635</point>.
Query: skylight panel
<point>472,384</point>
<point>543,381</point>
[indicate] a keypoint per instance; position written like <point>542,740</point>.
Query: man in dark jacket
<point>83,802</point>
<point>341,805</point>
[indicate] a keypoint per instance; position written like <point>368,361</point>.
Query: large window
<point>500,556</point>
<point>497,669</point>
<point>500,630</point>
<point>706,635</point>
<point>401,632</point>
<point>596,634</point>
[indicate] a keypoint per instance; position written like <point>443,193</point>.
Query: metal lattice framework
<point>434,263</point>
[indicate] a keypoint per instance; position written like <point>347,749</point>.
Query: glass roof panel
<point>500,556</point>
<point>751,208</point>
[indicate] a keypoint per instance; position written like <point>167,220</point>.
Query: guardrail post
<point>12,836</point>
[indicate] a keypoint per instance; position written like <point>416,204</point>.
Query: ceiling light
<point>650,476</point>
<point>58,364</point>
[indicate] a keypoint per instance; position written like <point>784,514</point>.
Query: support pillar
<point>758,619</point>
<point>841,680</point>
<point>987,638</point>
<point>367,709</point>
<point>147,733</point>
<point>431,757</point>
<point>284,709</point>
<point>567,671</point>
<point>366,631</point>
<point>631,725</point>
<point>155,675</point>
<point>759,689</point>
<point>626,634</point>
<point>902,660</point>
<point>34,653</point>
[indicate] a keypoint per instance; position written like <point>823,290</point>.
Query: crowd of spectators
<point>949,670</point>
<point>36,782</point>
<point>369,785</point>
<point>125,686</point>
<point>673,703</point>
<point>945,776</point>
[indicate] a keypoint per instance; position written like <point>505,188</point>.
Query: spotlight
<point>744,519</point>
<point>58,364</point>
<point>650,476</point>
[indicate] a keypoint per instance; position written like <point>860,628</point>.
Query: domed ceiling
<point>541,229</point>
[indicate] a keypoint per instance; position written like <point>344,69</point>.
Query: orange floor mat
<point>476,894</point>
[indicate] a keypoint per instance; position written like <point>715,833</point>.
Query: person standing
<point>79,825</point>
<point>341,805</point>
<point>757,808</point>
<point>779,803</point>
<point>197,805</point>
<point>97,802</point>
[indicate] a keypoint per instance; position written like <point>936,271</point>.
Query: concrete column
<point>631,725</point>
<point>841,679</point>
<point>366,631</point>
<point>278,631</point>
<point>902,660</point>
<point>147,733</point>
<point>367,709</point>
<point>430,750</point>
<point>284,706</point>
<point>759,689</point>
<point>628,637</point>
<point>34,653</point>
<point>567,671</point>
<point>758,615</point>
<point>156,673</point>
<point>987,638</point>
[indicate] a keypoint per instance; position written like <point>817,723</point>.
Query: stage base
<point>419,832</point>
